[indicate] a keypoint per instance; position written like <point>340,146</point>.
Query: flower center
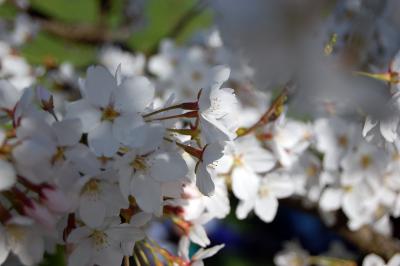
<point>312,170</point>
<point>99,238</point>
<point>92,187</point>
<point>343,141</point>
<point>348,189</point>
<point>109,114</point>
<point>196,76</point>
<point>58,155</point>
<point>16,234</point>
<point>139,163</point>
<point>237,160</point>
<point>263,191</point>
<point>365,161</point>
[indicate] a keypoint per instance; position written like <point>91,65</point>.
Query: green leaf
<point>56,259</point>
<point>161,17</point>
<point>115,14</point>
<point>47,49</point>
<point>7,11</point>
<point>200,22</point>
<point>75,11</point>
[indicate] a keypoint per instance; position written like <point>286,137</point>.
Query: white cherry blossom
<point>110,112</point>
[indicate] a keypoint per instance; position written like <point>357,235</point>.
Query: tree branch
<point>84,32</point>
<point>88,33</point>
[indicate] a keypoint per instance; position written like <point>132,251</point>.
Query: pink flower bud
<point>54,199</point>
<point>42,94</point>
<point>45,99</point>
<point>40,214</point>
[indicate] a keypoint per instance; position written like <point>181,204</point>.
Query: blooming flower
<point>265,202</point>
<point>215,109</point>
<point>101,245</point>
<point>110,112</point>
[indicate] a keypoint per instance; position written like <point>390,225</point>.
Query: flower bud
<point>45,99</point>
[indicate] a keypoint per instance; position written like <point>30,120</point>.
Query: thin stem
<point>163,110</point>
<point>192,151</point>
<point>271,114</point>
<point>143,256</point>
<point>4,214</point>
<point>185,106</point>
<point>126,261</point>
<point>137,261</point>
<point>54,115</point>
<point>185,115</point>
<point>328,261</point>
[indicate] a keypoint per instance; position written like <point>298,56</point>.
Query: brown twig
<point>369,241</point>
<point>84,32</point>
<point>80,32</point>
<point>126,261</point>
<point>271,114</point>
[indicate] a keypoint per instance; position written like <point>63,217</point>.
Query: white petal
<point>140,219</point>
<point>218,204</point>
<point>183,247</point>
<point>125,185</point>
<point>7,174</point>
<point>168,167</point>
<point>8,95</point>
<point>80,256</point>
<point>107,256</point>
<point>369,124</point>
<point>78,234</point>
<point>30,252</point>
<point>213,130</point>
<point>219,74</point>
<point>127,247</point>
<point>395,260</point>
<point>260,160</point>
<point>130,130</point>
<point>213,152</point>
<point>134,94</point>
<point>147,194</point>
<point>204,181</point>
<point>199,236</point>
<point>68,131</point>
<point>160,66</point>
<point>83,159</point>
<point>92,211</point>
<point>125,232</point>
<point>154,137</point>
<point>244,183</point>
<point>101,140</point>
<point>90,116</point>
<point>388,128</point>
<point>99,85</point>
<point>331,199</point>
<point>4,247</point>
<point>31,126</point>
<point>244,208</point>
<point>281,186</point>
<point>202,254</point>
<point>373,260</point>
<point>266,207</point>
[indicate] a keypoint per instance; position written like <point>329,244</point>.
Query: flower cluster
<point>113,153</point>
<point>137,141</point>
